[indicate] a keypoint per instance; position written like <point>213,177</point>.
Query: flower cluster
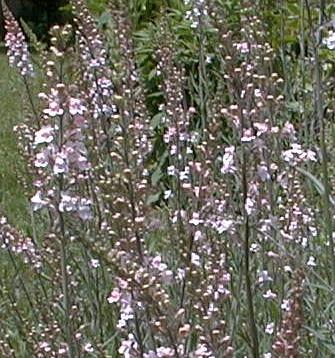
<point>17,48</point>
<point>288,336</point>
<point>329,41</point>
<point>95,70</point>
<point>197,12</point>
<point>60,152</point>
<point>18,244</point>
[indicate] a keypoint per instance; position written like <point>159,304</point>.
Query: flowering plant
<point>174,212</point>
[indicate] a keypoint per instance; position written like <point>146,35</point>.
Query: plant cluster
<point>176,209</point>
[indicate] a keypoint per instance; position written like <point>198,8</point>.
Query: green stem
<point>31,101</point>
<point>303,70</point>
<point>246,233</point>
<point>246,237</point>
<point>328,215</point>
<point>66,297</point>
<point>319,105</point>
<point>63,257</point>
<point>202,74</point>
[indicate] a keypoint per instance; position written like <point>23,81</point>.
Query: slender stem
<point>319,103</point>
<point>66,299</point>
<point>30,97</point>
<point>303,69</point>
<point>24,288</point>
<point>246,234</point>
<point>283,49</point>
<point>65,281</point>
<point>202,72</point>
<point>139,335</point>
<point>63,257</point>
<point>251,313</point>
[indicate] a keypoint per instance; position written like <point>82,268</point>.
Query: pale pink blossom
<point>44,135</point>
<point>37,201</point>
<point>114,296</point>
<point>76,107</point>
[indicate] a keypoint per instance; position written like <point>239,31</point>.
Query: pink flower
<point>76,107</point>
<point>196,219</point>
<point>17,48</point>
<point>242,47</point>
<point>88,348</point>
<point>195,259</point>
<point>80,121</point>
<point>263,277</point>
<point>157,263</point>
<point>249,206</point>
<point>222,225</point>
<point>84,209</point>
<point>286,305</point>
<point>248,136</point>
<point>122,283</point>
<point>261,128</point>
<point>54,109</point>
<point>269,328</point>
<point>263,172</point>
<point>60,165</point>
<point>330,40</point>
<point>45,346</point>
<point>37,201</point>
<point>127,346</point>
<point>164,352</point>
<point>202,351</point>
<point>44,135</point>
<point>95,263</point>
<point>114,296</point>
<point>41,160</point>
<point>269,295</point>
<point>228,161</point>
<point>68,203</point>
<point>288,129</point>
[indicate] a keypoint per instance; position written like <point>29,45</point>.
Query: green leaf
<point>321,337</point>
<point>156,176</point>
<point>153,198</point>
<point>330,347</point>
<point>104,18</point>
<point>294,107</point>
<point>155,94</point>
<point>152,74</point>
<point>156,120</point>
<point>317,183</point>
